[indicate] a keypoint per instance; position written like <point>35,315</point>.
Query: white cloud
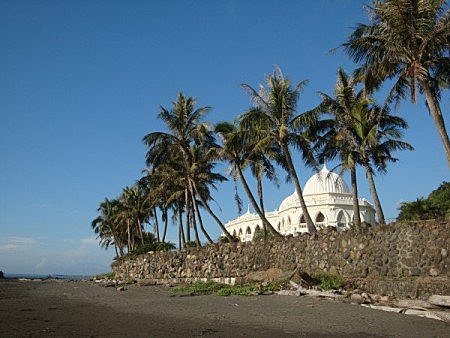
<point>45,256</point>
<point>16,244</point>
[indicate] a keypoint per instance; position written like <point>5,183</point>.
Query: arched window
<point>240,232</point>
<point>289,220</point>
<point>257,228</point>
<point>234,232</point>
<point>248,231</point>
<point>341,221</point>
<point>302,219</point>
<point>320,218</point>
<point>278,226</point>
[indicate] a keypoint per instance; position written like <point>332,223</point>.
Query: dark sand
<point>62,308</point>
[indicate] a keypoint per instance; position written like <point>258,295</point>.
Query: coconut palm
<point>236,152</point>
<point>338,139</point>
<point>258,160</point>
<point>378,134</point>
<point>186,130</point>
<point>275,113</point>
<point>406,41</point>
<point>359,132</point>
<point>105,226</point>
<point>134,210</point>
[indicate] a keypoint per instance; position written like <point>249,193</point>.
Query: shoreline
<point>76,308</point>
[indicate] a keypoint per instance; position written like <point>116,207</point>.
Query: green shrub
<point>147,247</point>
<point>200,288</point>
<point>106,275</point>
<point>224,239</point>
<point>210,287</point>
<point>190,244</point>
<point>328,281</point>
<point>259,234</point>
<point>164,246</point>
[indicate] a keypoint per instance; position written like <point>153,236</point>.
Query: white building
<point>329,202</point>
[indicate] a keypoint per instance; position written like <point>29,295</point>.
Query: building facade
<point>329,203</point>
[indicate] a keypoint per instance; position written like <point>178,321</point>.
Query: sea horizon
<point>45,276</point>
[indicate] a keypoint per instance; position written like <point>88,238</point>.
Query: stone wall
<point>371,258</point>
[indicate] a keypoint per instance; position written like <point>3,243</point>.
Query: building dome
<point>290,201</point>
<point>325,182</point>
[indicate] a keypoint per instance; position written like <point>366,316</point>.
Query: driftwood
<point>416,304</point>
<point>301,291</point>
<point>439,315</point>
<point>440,300</point>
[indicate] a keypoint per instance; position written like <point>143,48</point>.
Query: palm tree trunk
<point>199,217</point>
<point>213,215</point>
<point>293,174</point>
<point>261,202</point>
<point>254,203</point>
<point>376,200</point>
<point>156,225</point>
<point>116,242</point>
<point>115,249</point>
<point>182,239</point>
<point>436,114</point>
<point>194,224</point>
<point>166,220</point>
<point>129,235</point>
<point>188,216</point>
<point>356,214</point>
<point>140,231</point>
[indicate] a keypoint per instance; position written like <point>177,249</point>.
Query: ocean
<point>37,276</point>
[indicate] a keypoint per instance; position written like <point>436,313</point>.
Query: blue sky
<point>81,83</point>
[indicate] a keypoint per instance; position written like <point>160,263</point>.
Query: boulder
<point>356,298</point>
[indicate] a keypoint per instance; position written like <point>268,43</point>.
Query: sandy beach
<point>67,308</point>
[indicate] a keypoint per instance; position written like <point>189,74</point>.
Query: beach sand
<point>68,308</point>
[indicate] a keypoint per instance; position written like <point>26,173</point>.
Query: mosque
<point>329,202</point>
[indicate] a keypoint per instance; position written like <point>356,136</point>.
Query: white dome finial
<point>324,168</point>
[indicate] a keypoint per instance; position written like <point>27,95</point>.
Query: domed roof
<point>325,181</point>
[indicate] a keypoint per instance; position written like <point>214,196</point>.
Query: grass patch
<point>210,287</point>
<point>328,281</point>
<point>106,275</point>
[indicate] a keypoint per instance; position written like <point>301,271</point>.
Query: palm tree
<point>185,130</point>
<point>359,133</point>
<point>378,134</point>
<point>236,151</point>
<point>275,112</point>
<point>105,226</point>
<point>133,210</point>
<point>406,40</point>
<point>259,161</point>
<point>339,139</point>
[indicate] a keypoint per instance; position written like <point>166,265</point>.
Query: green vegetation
<point>106,275</point>
<point>405,41</point>
<point>435,206</point>
<point>328,281</point>
<point>259,235</point>
<point>210,287</point>
<point>224,239</point>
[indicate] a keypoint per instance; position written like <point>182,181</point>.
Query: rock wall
<point>372,258</point>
